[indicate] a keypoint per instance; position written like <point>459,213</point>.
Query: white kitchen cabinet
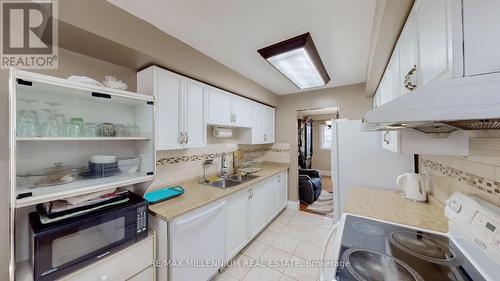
<point>481,36</point>
<point>241,109</point>
<point>408,56</point>
<point>228,109</point>
<point>269,124</point>
<point>142,253</point>
<point>262,205</point>
<point>219,107</point>
<point>439,41</point>
<point>237,212</point>
<point>180,109</point>
<point>393,79</point>
<point>281,187</point>
<point>263,127</point>
<point>145,275</point>
<point>194,115</point>
<point>391,140</point>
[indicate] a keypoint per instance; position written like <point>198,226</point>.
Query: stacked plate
<point>129,164</point>
<point>102,166</point>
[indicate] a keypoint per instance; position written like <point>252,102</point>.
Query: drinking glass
<point>27,123</point>
<point>91,130</point>
<point>51,127</point>
<point>61,122</point>
<point>122,130</point>
<point>75,127</point>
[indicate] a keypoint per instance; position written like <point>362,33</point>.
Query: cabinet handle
<point>386,137</point>
<point>182,138</point>
<point>409,83</point>
<point>187,137</point>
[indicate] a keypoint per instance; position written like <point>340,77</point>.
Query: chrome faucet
<point>223,166</point>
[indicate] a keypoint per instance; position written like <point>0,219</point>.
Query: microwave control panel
<point>142,218</point>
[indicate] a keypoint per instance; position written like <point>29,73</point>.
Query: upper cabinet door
<point>393,78</point>
<point>269,126</point>
<point>219,107</point>
<point>481,36</point>
<point>168,92</point>
<point>258,120</point>
<point>195,125</point>
<point>241,110</point>
<point>435,39</point>
<point>408,56</point>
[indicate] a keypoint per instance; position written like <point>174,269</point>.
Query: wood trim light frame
<point>298,60</point>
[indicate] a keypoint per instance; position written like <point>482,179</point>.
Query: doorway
<point>314,139</point>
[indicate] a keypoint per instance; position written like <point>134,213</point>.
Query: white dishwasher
<point>197,243</point>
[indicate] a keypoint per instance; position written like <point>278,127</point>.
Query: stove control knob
<point>454,205</point>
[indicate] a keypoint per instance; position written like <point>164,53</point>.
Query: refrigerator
<point>358,159</point>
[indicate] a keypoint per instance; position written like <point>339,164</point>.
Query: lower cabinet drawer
<point>145,275</point>
<point>119,266</point>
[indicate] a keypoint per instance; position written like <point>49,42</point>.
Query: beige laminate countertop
<point>392,206</point>
<point>197,195</point>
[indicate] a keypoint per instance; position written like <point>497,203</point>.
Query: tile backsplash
<point>177,165</point>
<point>477,174</point>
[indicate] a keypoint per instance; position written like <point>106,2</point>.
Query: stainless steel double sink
<point>230,181</point>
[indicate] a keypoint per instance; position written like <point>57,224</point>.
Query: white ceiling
<point>231,32</point>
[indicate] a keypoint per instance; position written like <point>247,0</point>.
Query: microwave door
<point>65,248</point>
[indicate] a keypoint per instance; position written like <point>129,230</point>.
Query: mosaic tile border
<point>191,158</point>
<point>207,156</point>
<point>486,185</point>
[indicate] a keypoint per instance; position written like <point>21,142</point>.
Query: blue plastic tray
<point>163,194</point>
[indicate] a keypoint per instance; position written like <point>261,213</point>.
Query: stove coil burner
<point>422,246</point>
<point>368,228</point>
<point>367,265</point>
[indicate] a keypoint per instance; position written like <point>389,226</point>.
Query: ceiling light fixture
<point>297,59</point>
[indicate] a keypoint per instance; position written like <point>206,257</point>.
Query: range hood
<point>444,106</point>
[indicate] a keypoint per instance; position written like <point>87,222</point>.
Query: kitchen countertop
<point>197,195</point>
<point>392,206</point>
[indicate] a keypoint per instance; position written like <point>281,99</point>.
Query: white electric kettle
<point>413,185</point>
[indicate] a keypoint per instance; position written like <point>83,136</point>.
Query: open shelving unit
<point>31,154</point>
<point>80,138</point>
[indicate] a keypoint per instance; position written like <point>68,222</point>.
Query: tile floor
<point>281,251</point>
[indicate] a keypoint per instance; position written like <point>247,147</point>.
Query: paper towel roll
<point>222,132</point>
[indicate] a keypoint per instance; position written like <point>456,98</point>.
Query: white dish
<point>103,158</point>
<point>85,79</point>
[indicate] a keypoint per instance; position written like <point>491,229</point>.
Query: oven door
<point>330,252</point>
<point>69,247</point>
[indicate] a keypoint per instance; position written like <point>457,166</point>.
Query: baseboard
<point>325,173</point>
<point>293,205</point>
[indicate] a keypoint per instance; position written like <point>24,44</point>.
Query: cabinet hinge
<point>24,195</point>
<point>101,95</point>
<point>150,102</point>
<point>24,82</point>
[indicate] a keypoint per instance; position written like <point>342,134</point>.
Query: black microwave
<point>62,247</point>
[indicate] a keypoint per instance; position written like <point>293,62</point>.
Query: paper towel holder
<point>221,132</point>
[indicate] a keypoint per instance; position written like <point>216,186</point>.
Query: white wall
<point>352,103</point>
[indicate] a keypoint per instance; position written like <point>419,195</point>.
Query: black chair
<point>309,185</point>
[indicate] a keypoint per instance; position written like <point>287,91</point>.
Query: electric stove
<point>369,249</point>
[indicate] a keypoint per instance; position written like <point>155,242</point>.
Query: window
<point>326,136</point>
